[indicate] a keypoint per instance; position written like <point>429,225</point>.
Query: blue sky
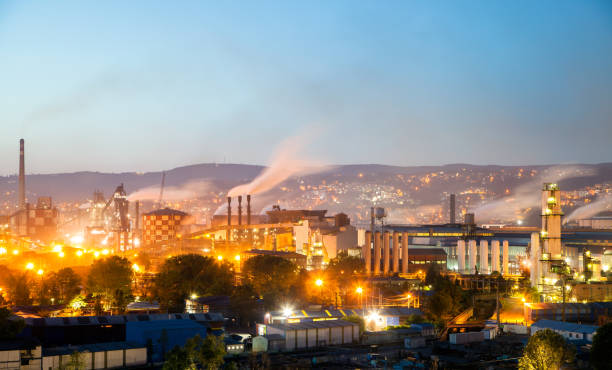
<point>149,85</point>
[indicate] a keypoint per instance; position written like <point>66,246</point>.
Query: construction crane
<point>161,190</point>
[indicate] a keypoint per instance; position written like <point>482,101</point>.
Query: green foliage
<point>10,325</point>
<point>76,362</point>
<point>271,277</point>
<point>184,275</point>
<point>602,344</point>
<point>197,353</point>
<point>357,320</point>
<point>447,300</point>
<point>18,287</point>
<point>110,279</point>
<point>178,359</point>
<point>63,285</point>
<point>546,350</point>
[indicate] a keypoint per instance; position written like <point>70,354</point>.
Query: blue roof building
<point>569,330</point>
<point>162,335</point>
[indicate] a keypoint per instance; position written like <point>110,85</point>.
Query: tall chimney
<point>229,218</point>
<point>240,210</point>
<point>452,208</point>
<point>137,212</point>
<point>248,209</point>
<point>22,197</point>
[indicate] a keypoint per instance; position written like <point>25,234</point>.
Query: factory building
<point>37,222</point>
<point>163,225</point>
<point>598,222</point>
<point>593,312</point>
<point>567,330</point>
<point>313,334</point>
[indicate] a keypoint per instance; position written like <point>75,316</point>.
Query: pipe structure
<point>461,256</point>
<point>240,210</point>
<point>396,247</point>
<point>405,253</point>
<point>495,256</point>
<point>22,197</point>
<point>367,252</point>
<point>505,260</point>
<point>535,254</point>
<point>484,257</point>
<point>386,252</point>
<point>377,240</point>
<point>472,256</point>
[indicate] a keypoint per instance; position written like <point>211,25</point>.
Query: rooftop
<point>165,211</point>
<point>565,326</point>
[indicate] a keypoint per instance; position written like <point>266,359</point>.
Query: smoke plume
<point>601,204</point>
<point>189,190</point>
<point>288,161</point>
<point>528,195</point>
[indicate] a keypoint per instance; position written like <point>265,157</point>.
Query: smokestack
<point>22,197</point>
<point>248,209</point>
<point>452,208</point>
<point>229,211</point>
<point>240,210</point>
<point>229,218</point>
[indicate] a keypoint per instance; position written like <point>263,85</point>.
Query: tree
<point>602,343</point>
<point>272,278</point>
<point>10,325</point>
<point>244,303</point>
<point>63,285</point>
<point>18,286</point>
<point>178,359</point>
<point>187,274</point>
<point>110,279</point>
<point>342,272</point>
<point>546,350</point>
<point>197,353</point>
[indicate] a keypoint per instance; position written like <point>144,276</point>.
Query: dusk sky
<point>151,85</point>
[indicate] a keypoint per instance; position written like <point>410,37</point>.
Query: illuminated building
<point>39,222</point>
<point>162,225</point>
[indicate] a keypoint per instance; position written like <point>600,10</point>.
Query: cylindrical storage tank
<point>495,256</point>
<point>377,242</point>
<point>461,256</point>
<point>484,257</point>
<point>386,250</point>
<point>473,252</point>
<point>505,258</point>
<point>396,248</point>
<point>367,252</point>
<point>405,253</point>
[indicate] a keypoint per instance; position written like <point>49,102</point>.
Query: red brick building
<point>163,225</point>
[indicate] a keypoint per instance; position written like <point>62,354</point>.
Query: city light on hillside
<point>29,266</point>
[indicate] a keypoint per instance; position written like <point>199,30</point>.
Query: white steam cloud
<point>288,161</point>
<point>189,190</point>
<point>601,204</point>
<point>528,195</point>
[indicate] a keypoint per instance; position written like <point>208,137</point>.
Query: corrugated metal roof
<point>121,319</point>
<point>312,325</point>
<point>565,326</point>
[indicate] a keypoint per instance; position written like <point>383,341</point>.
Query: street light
<point>359,291</point>
<point>319,283</point>
<point>30,266</point>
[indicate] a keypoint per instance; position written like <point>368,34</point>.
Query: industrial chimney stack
<point>229,218</point>
<point>240,210</point>
<point>248,209</point>
<point>22,197</point>
<point>452,209</point>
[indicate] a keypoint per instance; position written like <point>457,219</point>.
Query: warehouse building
<point>312,334</point>
<point>568,330</point>
<point>592,312</point>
